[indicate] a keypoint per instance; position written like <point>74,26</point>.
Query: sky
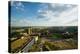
<point>43,14</point>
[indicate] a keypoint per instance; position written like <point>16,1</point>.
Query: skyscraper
<point>29,30</point>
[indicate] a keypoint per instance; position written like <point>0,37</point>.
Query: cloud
<point>54,10</point>
<point>18,5</point>
<point>60,8</point>
<point>49,15</point>
<point>21,22</point>
<point>59,15</point>
<point>73,22</point>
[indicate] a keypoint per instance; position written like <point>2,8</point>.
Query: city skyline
<point>43,14</point>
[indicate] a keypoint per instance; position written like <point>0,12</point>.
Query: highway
<point>27,47</point>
